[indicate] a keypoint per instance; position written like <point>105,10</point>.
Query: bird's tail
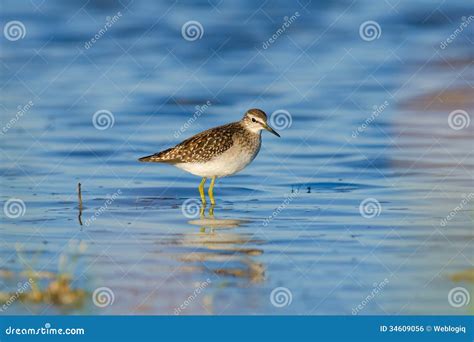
<point>160,157</point>
<point>151,158</point>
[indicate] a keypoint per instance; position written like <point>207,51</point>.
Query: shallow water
<point>292,218</point>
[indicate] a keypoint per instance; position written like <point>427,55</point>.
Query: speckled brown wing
<point>199,148</point>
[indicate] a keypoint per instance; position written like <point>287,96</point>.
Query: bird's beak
<point>271,130</point>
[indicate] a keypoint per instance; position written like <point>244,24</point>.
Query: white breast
<point>231,161</point>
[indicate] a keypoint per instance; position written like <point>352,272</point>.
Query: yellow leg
<point>201,190</point>
<point>211,190</point>
<point>211,211</point>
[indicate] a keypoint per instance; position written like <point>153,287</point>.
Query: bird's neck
<point>250,129</point>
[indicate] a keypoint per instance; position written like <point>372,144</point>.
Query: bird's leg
<point>211,190</point>
<point>201,190</point>
<point>211,211</point>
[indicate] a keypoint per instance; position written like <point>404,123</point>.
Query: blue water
<point>291,219</point>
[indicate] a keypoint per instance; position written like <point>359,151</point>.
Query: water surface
<point>292,218</point>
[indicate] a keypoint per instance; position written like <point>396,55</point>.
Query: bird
<point>217,152</point>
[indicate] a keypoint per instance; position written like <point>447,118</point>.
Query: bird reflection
<point>222,250</point>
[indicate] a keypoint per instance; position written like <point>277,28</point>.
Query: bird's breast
<point>233,160</point>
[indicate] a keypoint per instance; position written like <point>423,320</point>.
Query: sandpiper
<point>217,152</point>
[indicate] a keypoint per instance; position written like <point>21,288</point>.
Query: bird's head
<point>255,120</point>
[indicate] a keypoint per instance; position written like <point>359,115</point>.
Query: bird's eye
<point>253,120</point>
